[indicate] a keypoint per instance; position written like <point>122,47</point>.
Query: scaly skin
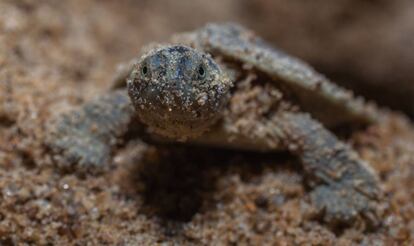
<point>345,188</point>
<point>84,138</point>
<point>182,93</point>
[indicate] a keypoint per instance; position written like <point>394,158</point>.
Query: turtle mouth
<point>174,110</point>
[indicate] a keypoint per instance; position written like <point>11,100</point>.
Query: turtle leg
<point>84,138</point>
<point>345,188</point>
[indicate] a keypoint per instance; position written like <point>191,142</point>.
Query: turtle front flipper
<point>345,188</point>
<point>83,138</point>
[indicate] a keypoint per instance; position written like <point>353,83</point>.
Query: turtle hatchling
<point>223,86</point>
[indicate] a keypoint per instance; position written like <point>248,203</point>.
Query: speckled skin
<point>88,136</point>
<point>277,102</point>
<point>344,186</point>
<point>178,91</point>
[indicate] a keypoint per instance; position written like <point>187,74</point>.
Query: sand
<point>55,55</point>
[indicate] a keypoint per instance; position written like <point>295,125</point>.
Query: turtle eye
<point>201,71</point>
<point>144,70</point>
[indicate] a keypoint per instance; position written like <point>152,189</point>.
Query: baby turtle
<point>223,86</point>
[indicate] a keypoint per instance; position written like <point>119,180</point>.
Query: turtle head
<point>177,91</point>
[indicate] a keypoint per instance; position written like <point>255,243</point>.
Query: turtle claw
<point>345,206</point>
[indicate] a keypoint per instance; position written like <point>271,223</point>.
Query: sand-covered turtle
<point>223,86</point>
